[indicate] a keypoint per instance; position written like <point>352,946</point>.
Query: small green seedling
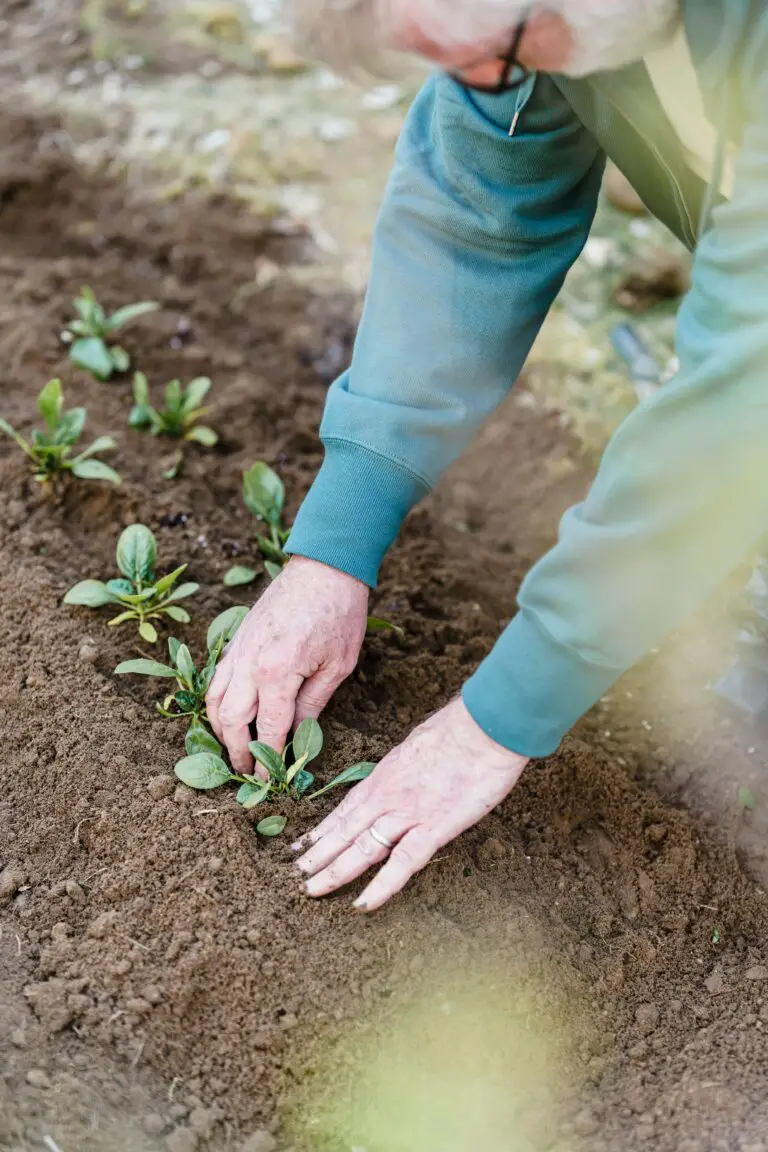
<point>139,593</point>
<point>264,495</point>
<point>90,337</point>
<point>188,701</point>
<point>50,451</point>
<point>178,419</point>
<point>204,768</point>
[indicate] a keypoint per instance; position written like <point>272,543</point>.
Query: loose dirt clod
<point>11,879</point>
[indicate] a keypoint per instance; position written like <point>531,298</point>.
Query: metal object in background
<point>745,684</point>
<point>644,370</point>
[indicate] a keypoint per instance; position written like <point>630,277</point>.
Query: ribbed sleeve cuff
<point>354,510</point>
<point>529,691</point>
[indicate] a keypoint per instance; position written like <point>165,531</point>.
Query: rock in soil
<point>160,786</point>
<point>11,879</point>
<point>49,1003</point>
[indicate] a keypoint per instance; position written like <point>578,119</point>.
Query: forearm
<point>680,497</point>
<point>475,237</point>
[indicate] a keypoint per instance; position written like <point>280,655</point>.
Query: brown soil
<point>583,971</point>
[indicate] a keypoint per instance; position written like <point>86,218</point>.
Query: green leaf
<point>271,551</point>
<point>148,632</point>
<point>226,625</point>
<point>140,389</point>
<point>199,739</point>
<point>120,588</point>
<point>90,594</point>
<point>186,664</point>
<point>303,781</point>
<point>202,771</point>
<point>130,312</point>
<point>140,416</point>
<point>70,426</point>
<point>251,794</point>
<point>122,618</point>
<point>87,307</point>
<point>137,598</point>
<point>172,472</point>
<point>183,591</point>
<point>173,396</point>
<point>204,435</point>
<point>121,361</point>
<point>173,648</point>
<point>747,798</point>
<point>100,444</point>
<point>187,701</point>
<point>272,825</point>
<point>50,402</point>
<point>264,493</point>
<point>308,741</point>
<point>238,575</point>
<point>180,615</point>
<point>96,470</point>
<point>350,775</point>
<point>195,392</point>
<point>273,570</point>
<point>92,354</point>
<point>376,624</point>
<point>165,583</point>
<point>145,668</point>
<point>272,760</point>
<point>204,677</point>
<point>22,443</point>
<point>137,554</point>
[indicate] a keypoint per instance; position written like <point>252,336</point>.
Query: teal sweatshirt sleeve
<point>680,497</point>
<point>477,231</point>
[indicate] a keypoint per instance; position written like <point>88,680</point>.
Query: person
<point>494,188</point>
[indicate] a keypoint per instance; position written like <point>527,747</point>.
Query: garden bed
<point>584,970</point>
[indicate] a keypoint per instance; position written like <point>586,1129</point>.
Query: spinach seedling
<point>90,336</point>
<point>188,701</point>
<point>51,451</point>
<point>178,419</point>
<point>139,593</point>
<point>204,768</point>
<point>264,496</point>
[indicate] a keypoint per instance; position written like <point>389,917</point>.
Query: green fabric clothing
<point>476,234</point>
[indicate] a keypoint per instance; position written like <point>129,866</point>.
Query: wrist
<point>306,565</point>
<point>492,755</point>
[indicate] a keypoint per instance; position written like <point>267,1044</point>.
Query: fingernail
<point>297,847</point>
<point>360,905</point>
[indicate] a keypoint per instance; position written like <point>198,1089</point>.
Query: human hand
<point>294,648</point>
<point>445,777</point>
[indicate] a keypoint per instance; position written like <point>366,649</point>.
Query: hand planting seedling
<point>50,451</point>
<point>139,593</point>
<point>90,336</point>
<point>188,701</point>
<point>264,495</point>
<point>178,419</point>
<point>204,768</point>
